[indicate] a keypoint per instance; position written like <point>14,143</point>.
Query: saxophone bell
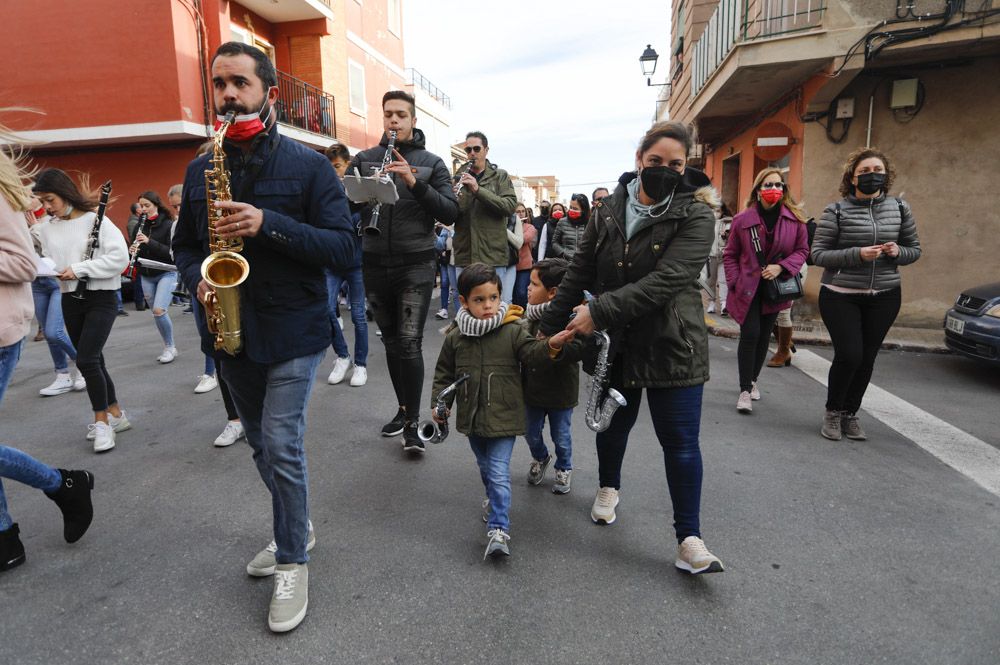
<point>600,407</point>
<point>429,431</point>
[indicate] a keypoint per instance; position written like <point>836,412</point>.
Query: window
<point>241,35</point>
<point>678,46</point>
<point>393,17</point>
<point>356,78</point>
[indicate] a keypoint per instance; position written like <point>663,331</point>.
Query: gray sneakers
<point>561,485</point>
<point>291,597</point>
<point>536,471</point>
<point>831,425</point>
<point>497,544</point>
<point>851,428</point>
<point>264,564</point>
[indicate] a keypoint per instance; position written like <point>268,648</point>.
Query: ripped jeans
<point>399,297</point>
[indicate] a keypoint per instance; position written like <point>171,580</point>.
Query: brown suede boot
<point>783,356</point>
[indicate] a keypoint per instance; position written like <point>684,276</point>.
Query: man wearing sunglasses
<point>485,203</point>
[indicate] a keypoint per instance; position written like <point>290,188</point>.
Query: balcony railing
<point>419,81</point>
<point>305,106</point>
<point>736,21</point>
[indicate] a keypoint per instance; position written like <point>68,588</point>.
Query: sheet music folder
<point>370,189</point>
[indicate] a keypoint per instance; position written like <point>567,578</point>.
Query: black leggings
<point>754,336</point>
<point>857,324</point>
<point>88,322</point>
<point>399,298</point>
<point>227,397</point>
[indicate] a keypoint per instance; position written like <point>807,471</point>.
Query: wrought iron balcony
<point>736,21</point>
<point>305,106</point>
<point>417,80</point>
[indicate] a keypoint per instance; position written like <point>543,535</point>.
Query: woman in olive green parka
<point>640,256</point>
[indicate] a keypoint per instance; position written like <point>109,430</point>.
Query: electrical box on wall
<point>904,94</point>
<point>845,108</point>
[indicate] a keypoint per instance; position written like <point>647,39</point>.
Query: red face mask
<point>574,214</point>
<point>245,127</point>
<point>39,213</point>
<point>558,214</point>
<point>771,196</point>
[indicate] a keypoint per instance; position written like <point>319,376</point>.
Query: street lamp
<point>648,63</point>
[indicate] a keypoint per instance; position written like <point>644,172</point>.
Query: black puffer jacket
<point>851,224</point>
<point>567,236</point>
<point>648,298</point>
<point>407,228</point>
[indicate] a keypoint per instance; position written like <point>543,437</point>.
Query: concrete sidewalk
<point>925,340</point>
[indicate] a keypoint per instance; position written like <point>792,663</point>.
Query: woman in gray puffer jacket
<point>861,241</point>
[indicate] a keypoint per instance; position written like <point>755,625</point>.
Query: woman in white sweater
<point>88,319</point>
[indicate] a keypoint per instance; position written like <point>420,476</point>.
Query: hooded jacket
<point>862,223</point>
<point>481,228</point>
<point>646,288</point>
<point>491,402</point>
<point>407,228</point>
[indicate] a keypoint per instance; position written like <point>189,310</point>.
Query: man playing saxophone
<point>289,210</point>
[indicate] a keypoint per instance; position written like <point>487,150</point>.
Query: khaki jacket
<point>481,228</point>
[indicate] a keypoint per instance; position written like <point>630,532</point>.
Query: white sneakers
<point>754,391</point>
<point>359,376</point>
<point>64,382</point>
<point>711,308</point>
<point>744,404</point>
<point>441,314</point>
<point>168,355</point>
<point>603,510</point>
<point>206,383</point>
<point>340,367</point>
<point>103,435</point>
<point>234,432</point>
<point>119,424</point>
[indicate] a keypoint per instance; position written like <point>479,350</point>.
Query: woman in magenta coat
<point>784,242</point>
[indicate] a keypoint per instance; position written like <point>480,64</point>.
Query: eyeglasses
<point>772,185</point>
<point>469,149</point>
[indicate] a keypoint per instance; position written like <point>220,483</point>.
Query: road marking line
<point>960,450</point>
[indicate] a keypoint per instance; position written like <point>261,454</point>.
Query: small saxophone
<point>600,408</point>
<point>428,430</point>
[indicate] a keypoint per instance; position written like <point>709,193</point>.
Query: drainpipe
<point>871,107</point>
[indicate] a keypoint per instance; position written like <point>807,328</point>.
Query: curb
<point>815,340</point>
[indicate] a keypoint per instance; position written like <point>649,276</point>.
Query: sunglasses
<point>469,149</point>
<point>773,185</point>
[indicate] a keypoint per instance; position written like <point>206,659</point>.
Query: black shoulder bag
<point>780,289</point>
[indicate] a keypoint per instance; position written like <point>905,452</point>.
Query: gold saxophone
<point>224,269</point>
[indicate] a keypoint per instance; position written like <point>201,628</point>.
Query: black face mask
<point>659,182</point>
<point>545,211</point>
<point>870,183</point>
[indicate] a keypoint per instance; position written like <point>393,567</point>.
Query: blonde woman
<point>70,490</point>
<point>773,216</point>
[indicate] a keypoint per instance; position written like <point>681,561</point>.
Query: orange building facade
<point>124,90</point>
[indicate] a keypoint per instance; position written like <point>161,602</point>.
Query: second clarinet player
<point>289,210</point>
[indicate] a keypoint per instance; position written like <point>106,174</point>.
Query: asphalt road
<point>835,552</point>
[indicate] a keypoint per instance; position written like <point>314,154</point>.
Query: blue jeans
<point>48,311</point>
<point>676,414</point>
<point>521,287</point>
<point>560,429</point>
<point>449,287</point>
<point>9,355</point>
<point>25,469</point>
<point>159,290</point>
<point>493,458</point>
<point>271,402</point>
<point>356,289</point>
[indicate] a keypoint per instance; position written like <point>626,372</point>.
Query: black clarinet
<point>94,240</point>
<point>372,228</point>
<point>131,271</point>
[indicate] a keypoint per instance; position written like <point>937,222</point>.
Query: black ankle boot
<point>11,549</point>
<point>73,499</point>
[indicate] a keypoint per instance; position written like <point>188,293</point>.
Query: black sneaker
<point>412,442</point>
<point>395,426</point>
<point>11,549</point>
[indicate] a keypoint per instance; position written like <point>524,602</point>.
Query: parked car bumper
<point>979,338</point>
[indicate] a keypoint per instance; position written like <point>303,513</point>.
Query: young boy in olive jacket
<point>551,389</point>
<point>482,344</point>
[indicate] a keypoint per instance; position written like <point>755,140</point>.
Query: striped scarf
<point>470,326</point>
<point>535,312</point>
